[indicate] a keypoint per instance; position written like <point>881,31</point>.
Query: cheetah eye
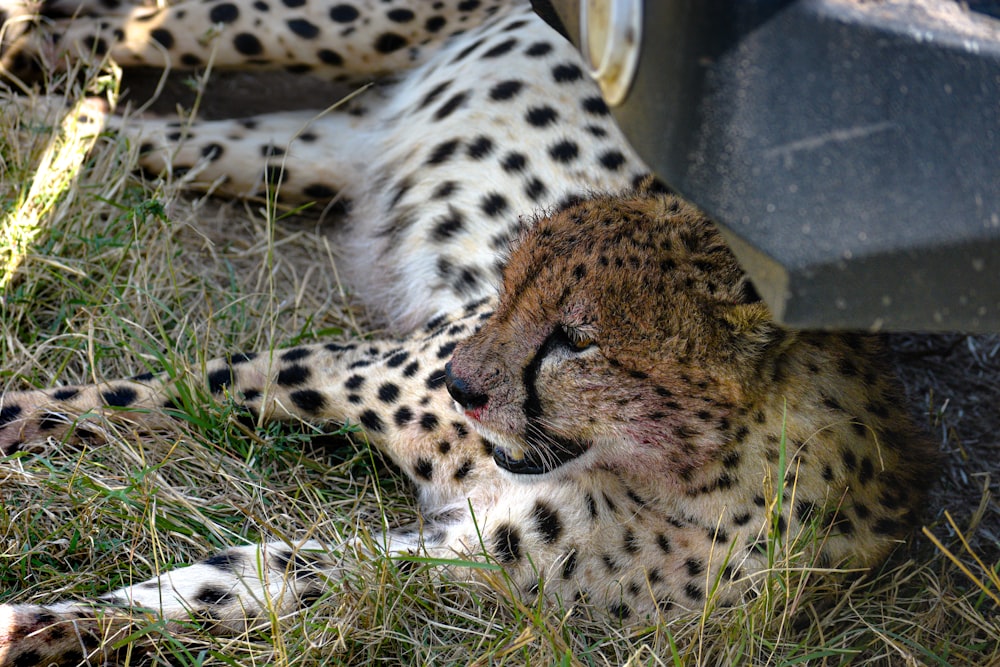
<point>575,339</point>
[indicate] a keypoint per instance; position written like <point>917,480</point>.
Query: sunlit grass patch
<point>44,152</point>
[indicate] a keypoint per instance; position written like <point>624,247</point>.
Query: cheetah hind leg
<point>300,156</point>
<point>350,41</point>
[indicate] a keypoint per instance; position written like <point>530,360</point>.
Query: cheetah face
<point>624,338</point>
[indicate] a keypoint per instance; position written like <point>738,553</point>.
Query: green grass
<point>108,275</point>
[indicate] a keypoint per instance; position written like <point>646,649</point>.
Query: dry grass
<point>107,275</point>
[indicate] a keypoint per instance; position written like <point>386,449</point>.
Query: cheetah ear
<point>746,317</point>
<point>651,186</point>
<point>752,326</point>
<point>748,292</point>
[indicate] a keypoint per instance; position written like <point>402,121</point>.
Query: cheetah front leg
<point>344,41</point>
<point>229,592</point>
<point>393,389</point>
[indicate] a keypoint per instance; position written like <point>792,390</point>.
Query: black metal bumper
<point>849,149</point>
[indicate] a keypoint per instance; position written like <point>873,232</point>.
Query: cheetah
<point>579,381</point>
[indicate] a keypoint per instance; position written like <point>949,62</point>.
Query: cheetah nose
<point>459,390</point>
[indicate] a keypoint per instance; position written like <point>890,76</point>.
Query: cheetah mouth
<point>538,459</point>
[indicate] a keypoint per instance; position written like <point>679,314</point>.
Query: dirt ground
<point>953,383</point>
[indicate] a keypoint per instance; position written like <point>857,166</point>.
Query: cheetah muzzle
<point>535,451</point>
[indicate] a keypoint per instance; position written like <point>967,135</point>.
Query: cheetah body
<point>632,430</point>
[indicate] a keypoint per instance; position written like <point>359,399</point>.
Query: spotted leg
<point>299,156</point>
<point>303,156</point>
<point>329,38</point>
<point>228,593</point>
<point>393,389</point>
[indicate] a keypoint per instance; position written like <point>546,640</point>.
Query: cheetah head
<point>625,336</point>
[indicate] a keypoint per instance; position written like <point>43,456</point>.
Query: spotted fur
<point>631,426</point>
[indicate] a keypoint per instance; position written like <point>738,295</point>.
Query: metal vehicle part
<point>849,149</point>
